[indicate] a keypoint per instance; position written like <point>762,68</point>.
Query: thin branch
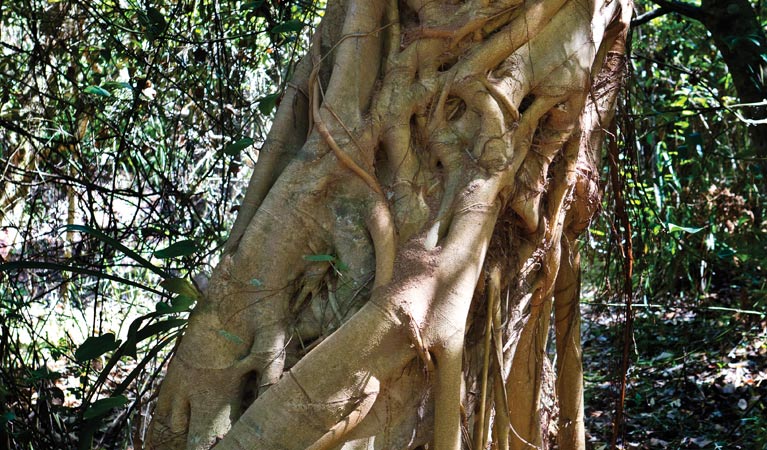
<point>648,16</point>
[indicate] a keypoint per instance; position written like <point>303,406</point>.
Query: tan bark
<point>425,145</point>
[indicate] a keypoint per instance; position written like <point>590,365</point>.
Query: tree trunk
<point>413,218</point>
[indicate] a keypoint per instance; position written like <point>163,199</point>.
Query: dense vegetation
<point>128,131</point>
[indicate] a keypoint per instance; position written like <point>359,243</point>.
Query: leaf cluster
<point>124,131</point>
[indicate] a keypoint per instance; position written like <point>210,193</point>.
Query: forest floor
<point>697,379</point>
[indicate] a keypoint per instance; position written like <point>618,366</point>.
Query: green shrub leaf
<point>180,286</point>
<point>182,303</point>
<point>116,85</point>
<point>103,406</point>
<point>236,147</point>
<point>180,248</point>
<point>97,91</point>
<point>154,22</point>
<point>288,27</point>
<point>268,103</point>
<point>95,346</point>
<point>157,328</point>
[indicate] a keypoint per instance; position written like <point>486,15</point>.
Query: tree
<point>410,225</point>
<point>743,50</point>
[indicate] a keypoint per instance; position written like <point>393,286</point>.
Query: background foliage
<point>694,190</point>
<point>127,132</point>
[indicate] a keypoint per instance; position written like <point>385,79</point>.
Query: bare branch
<point>685,9</point>
<point>648,16</point>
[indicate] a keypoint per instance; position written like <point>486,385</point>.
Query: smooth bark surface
<point>407,233</point>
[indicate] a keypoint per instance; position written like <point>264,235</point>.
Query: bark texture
<point>407,232</point>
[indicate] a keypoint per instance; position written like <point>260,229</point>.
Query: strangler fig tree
<point>410,226</point>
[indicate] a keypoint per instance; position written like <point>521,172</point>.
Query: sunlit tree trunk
<point>408,231</point>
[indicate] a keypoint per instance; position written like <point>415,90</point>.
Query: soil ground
<point>698,378</point>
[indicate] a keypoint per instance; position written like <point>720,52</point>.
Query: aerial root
<point>420,347</point>
<point>481,432</point>
<point>382,232</point>
<point>322,129</point>
<point>335,435</point>
<point>447,396</point>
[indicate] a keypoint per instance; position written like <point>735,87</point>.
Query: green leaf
<point>103,406</point>
<point>157,328</point>
<point>231,337</point>
<point>320,258</point>
<point>182,303</point>
<point>726,253</point>
<point>44,374</point>
<point>129,346</point>
<point>673,228</point>
<point>288,27</point>
<point>97,91</point>
<point>267,104</point>
<point>95,346</point>
<point>256,282</point>
<point>116,85</point>
<point>596,232</point>
<point>236,147</point>
<point>180,286</point>
<point>180,248</point>
<point>155,16</point>
<point>7,417</point>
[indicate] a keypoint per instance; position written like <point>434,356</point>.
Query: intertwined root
<point>423,201</point>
